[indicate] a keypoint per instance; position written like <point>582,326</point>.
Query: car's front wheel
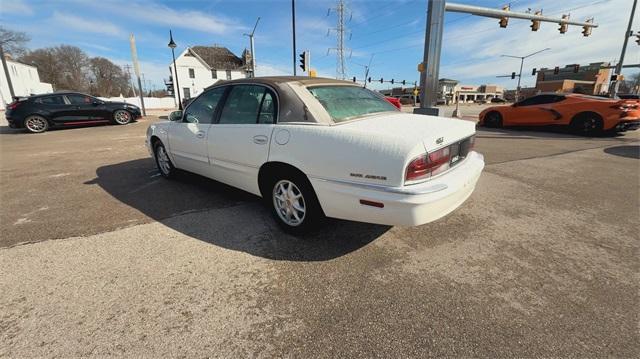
<point>294,204</point>
<point>166,168</point>
<point>121,117</point>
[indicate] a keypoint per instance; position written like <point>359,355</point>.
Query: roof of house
<point>218,57</point>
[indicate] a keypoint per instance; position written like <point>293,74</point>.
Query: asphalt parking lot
<point>101,256</point>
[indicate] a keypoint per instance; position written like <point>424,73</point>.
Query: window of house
<point>192,73</point>
<point>228,74</point>
<point>187,93</point>
<point>249,104</point>
<point>214,74</point>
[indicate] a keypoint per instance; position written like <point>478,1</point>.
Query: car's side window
<point>77,99</point>
<point>267,109</point>
<point>249,104</point>
<point>202,109</point>
<point>52,100</point>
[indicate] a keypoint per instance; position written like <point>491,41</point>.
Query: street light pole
<point>7,74</point>
<point>253,53</point>
<point>521,65</point>
<point>176,88</point>
<point>293,24</point>
<point>627,35</point>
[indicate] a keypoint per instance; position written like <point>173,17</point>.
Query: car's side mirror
<point>175,116</point>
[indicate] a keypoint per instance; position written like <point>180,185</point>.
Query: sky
<point>389,34</point>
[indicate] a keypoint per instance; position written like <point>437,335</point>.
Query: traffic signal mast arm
<point>495,13</point>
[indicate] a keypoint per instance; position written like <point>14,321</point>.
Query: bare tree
<point>108,79</point>
<point>13,42</point>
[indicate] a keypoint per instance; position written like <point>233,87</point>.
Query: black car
<point>62,109</point>
<point>498,100</point>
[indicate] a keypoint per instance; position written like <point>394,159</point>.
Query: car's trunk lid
<point>434,132</point>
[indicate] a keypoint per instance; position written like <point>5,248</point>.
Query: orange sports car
<point>582,113</point>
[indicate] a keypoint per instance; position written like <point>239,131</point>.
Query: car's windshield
<point>346,102</point>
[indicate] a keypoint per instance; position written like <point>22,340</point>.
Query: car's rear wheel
<point>493,120</point>
<point>294,204</point>
<point>166,168</point>
<point>121,117</point>
<point>587,123</point>
<point>36,124</point>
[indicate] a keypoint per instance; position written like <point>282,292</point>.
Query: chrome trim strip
<point>377,187</point>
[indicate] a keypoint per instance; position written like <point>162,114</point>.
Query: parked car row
<point>38,113</point>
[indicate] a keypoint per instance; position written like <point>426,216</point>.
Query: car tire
<point>493,120</point>
<point>36,124</point>
<point>122,117</point>
<point>293,202</point>
<point>587,124</point>
<point>163,162</point>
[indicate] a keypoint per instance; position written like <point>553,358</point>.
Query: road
<point>101,256</point>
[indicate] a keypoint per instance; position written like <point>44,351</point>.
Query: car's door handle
<point>200,134</point>
<point>260,139</point>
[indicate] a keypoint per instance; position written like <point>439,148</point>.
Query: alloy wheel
<point>289,203</point>
<point>35,124</point>
<point>122,117</point>
<point>163,160</point>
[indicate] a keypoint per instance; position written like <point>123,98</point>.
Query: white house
<point>25,80</point>
<point>202,66</point>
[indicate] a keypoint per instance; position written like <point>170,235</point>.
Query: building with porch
<point>202,66</point>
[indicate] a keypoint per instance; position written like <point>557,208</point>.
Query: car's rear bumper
<point>404,206</point>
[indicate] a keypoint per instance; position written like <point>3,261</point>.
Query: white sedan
<point>314,147</point>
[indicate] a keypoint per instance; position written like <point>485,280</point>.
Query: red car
<point>582,113</point>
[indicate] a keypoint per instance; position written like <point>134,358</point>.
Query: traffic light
<point>533,73</point>
<point>304,61</point>
<point>556,70</point>
<point>404,82</point>
<point>354,79</point>
<point>381,80</point>
<point>513,75</point>
<point>504,21</point>
<point>392,81</point>
<point>576,68</point>
<point>369,79</point>
<point>563,25</point>
<point>170,89</point>
<point>586,30</point>
<point>535,24</point>
<point>638,38</point>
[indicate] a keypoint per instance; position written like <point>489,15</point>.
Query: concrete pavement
<point>101,257</point>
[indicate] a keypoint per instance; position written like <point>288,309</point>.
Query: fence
<point>149,102</point>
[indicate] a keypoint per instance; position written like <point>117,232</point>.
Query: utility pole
<point>436,9</point>
<point>521,64</point>
<point>341,69</point>
<point>127,68</point>
<point>253,52</point>
<point>627,35</point>
<point>136,68</point>
<point>7,74</point>
<point>293,24</point>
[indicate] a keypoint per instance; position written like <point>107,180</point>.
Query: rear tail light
<point>428,165</point>
<point>13,105</point>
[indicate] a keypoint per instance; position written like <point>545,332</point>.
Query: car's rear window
<point>347,102</point>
